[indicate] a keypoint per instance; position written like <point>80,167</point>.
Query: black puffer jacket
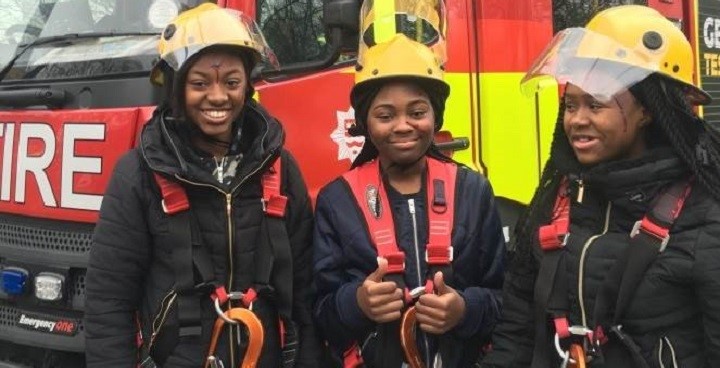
<point>674,315</point>
<point>131,268</point>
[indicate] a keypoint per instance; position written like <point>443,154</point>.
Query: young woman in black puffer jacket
<point>594,284</point>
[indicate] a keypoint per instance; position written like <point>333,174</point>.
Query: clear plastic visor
<point>422,21</point>
<point>215,27</point>
<point>599,65</point>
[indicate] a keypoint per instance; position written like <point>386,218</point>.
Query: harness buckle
<point>648,228</point>
<point>396,262</point>
<point>551,238</point>
<point>275,205</point>
<point>439,255</point>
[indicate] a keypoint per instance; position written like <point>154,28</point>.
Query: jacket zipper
<point>233,330</point>
<point>160,317</point>
<point>581,273</point>
<point>581,190</point>
<point>411,208</point>
<point>228,199</point>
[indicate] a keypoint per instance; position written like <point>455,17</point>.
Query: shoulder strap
<point>274,203</point>
<point>187,256</point>
<point>174,198</point>
<point>372,199</point>
<point>370,194</point>
<point>552,239</point>
<point>273,259</point>
<point>648,238</point>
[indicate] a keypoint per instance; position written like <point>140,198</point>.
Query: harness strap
<point>369,192</point>
<point>174,198</point>
<point>272,262</point>
<point>274,203</point>
<point>352,357</point>
<point>554,235</point>
<point>549,241</point>
<point>647,239</point>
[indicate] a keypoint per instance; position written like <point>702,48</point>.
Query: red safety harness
<point>648,238</point>
<point>372,199</point>
<point>176,205</point>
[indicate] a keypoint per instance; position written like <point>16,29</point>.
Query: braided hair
<point>693,139</point>
<point>675,124</point>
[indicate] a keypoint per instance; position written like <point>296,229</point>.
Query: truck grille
<point>37,241</point>
<point>14,234</point>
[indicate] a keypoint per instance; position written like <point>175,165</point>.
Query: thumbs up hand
<point>438,313</point>
<point>381,301</point>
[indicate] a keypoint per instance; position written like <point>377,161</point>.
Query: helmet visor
<point>599,65</point>
<point>185,37</point>
<point>422,21</point>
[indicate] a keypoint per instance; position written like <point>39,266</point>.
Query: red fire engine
<point>74,93</point>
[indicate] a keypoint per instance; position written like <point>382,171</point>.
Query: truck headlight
<point>13,280</point>
<point>49,286</point>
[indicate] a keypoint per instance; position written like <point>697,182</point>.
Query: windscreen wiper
<point>65,37</point>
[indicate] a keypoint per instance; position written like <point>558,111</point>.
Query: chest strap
<point>369,192</point>
<point>648,238</point>
<point>191,258</point>
<point>371,196</point>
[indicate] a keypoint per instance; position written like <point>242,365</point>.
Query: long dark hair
<point>675,124</point>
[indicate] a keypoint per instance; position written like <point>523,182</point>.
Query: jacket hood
<point>165,150</point>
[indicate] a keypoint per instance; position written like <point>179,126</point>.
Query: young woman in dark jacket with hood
<point>617,262</point>
<point>380,230</point>
<point>151,275</point>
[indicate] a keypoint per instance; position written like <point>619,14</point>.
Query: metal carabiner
<point>565,360</point>
<point>407,338</point>
<point>256,336</point>
<point>221,314</point>
<point>573,357</point>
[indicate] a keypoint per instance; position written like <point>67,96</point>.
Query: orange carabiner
<point>407,339</point>
<point>577,355</point>
<point>256,335</point>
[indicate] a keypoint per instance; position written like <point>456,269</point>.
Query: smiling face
<point>401,123</point>
<point>215,90</point>
<point>601,131</point>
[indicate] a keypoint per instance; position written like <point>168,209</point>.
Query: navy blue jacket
<point>344,256</point>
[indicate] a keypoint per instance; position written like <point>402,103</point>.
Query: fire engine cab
<point>75,92</point>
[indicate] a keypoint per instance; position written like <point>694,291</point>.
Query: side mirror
<point>341,20</point>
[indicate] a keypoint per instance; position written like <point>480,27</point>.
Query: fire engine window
<point>73,39</point>
<point>413,27</point>
<point>293,29</point>
<point>575,13</point>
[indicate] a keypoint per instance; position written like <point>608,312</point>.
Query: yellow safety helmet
<point>204,26</point>
<point>401,39</point>
<point>618,48</point>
